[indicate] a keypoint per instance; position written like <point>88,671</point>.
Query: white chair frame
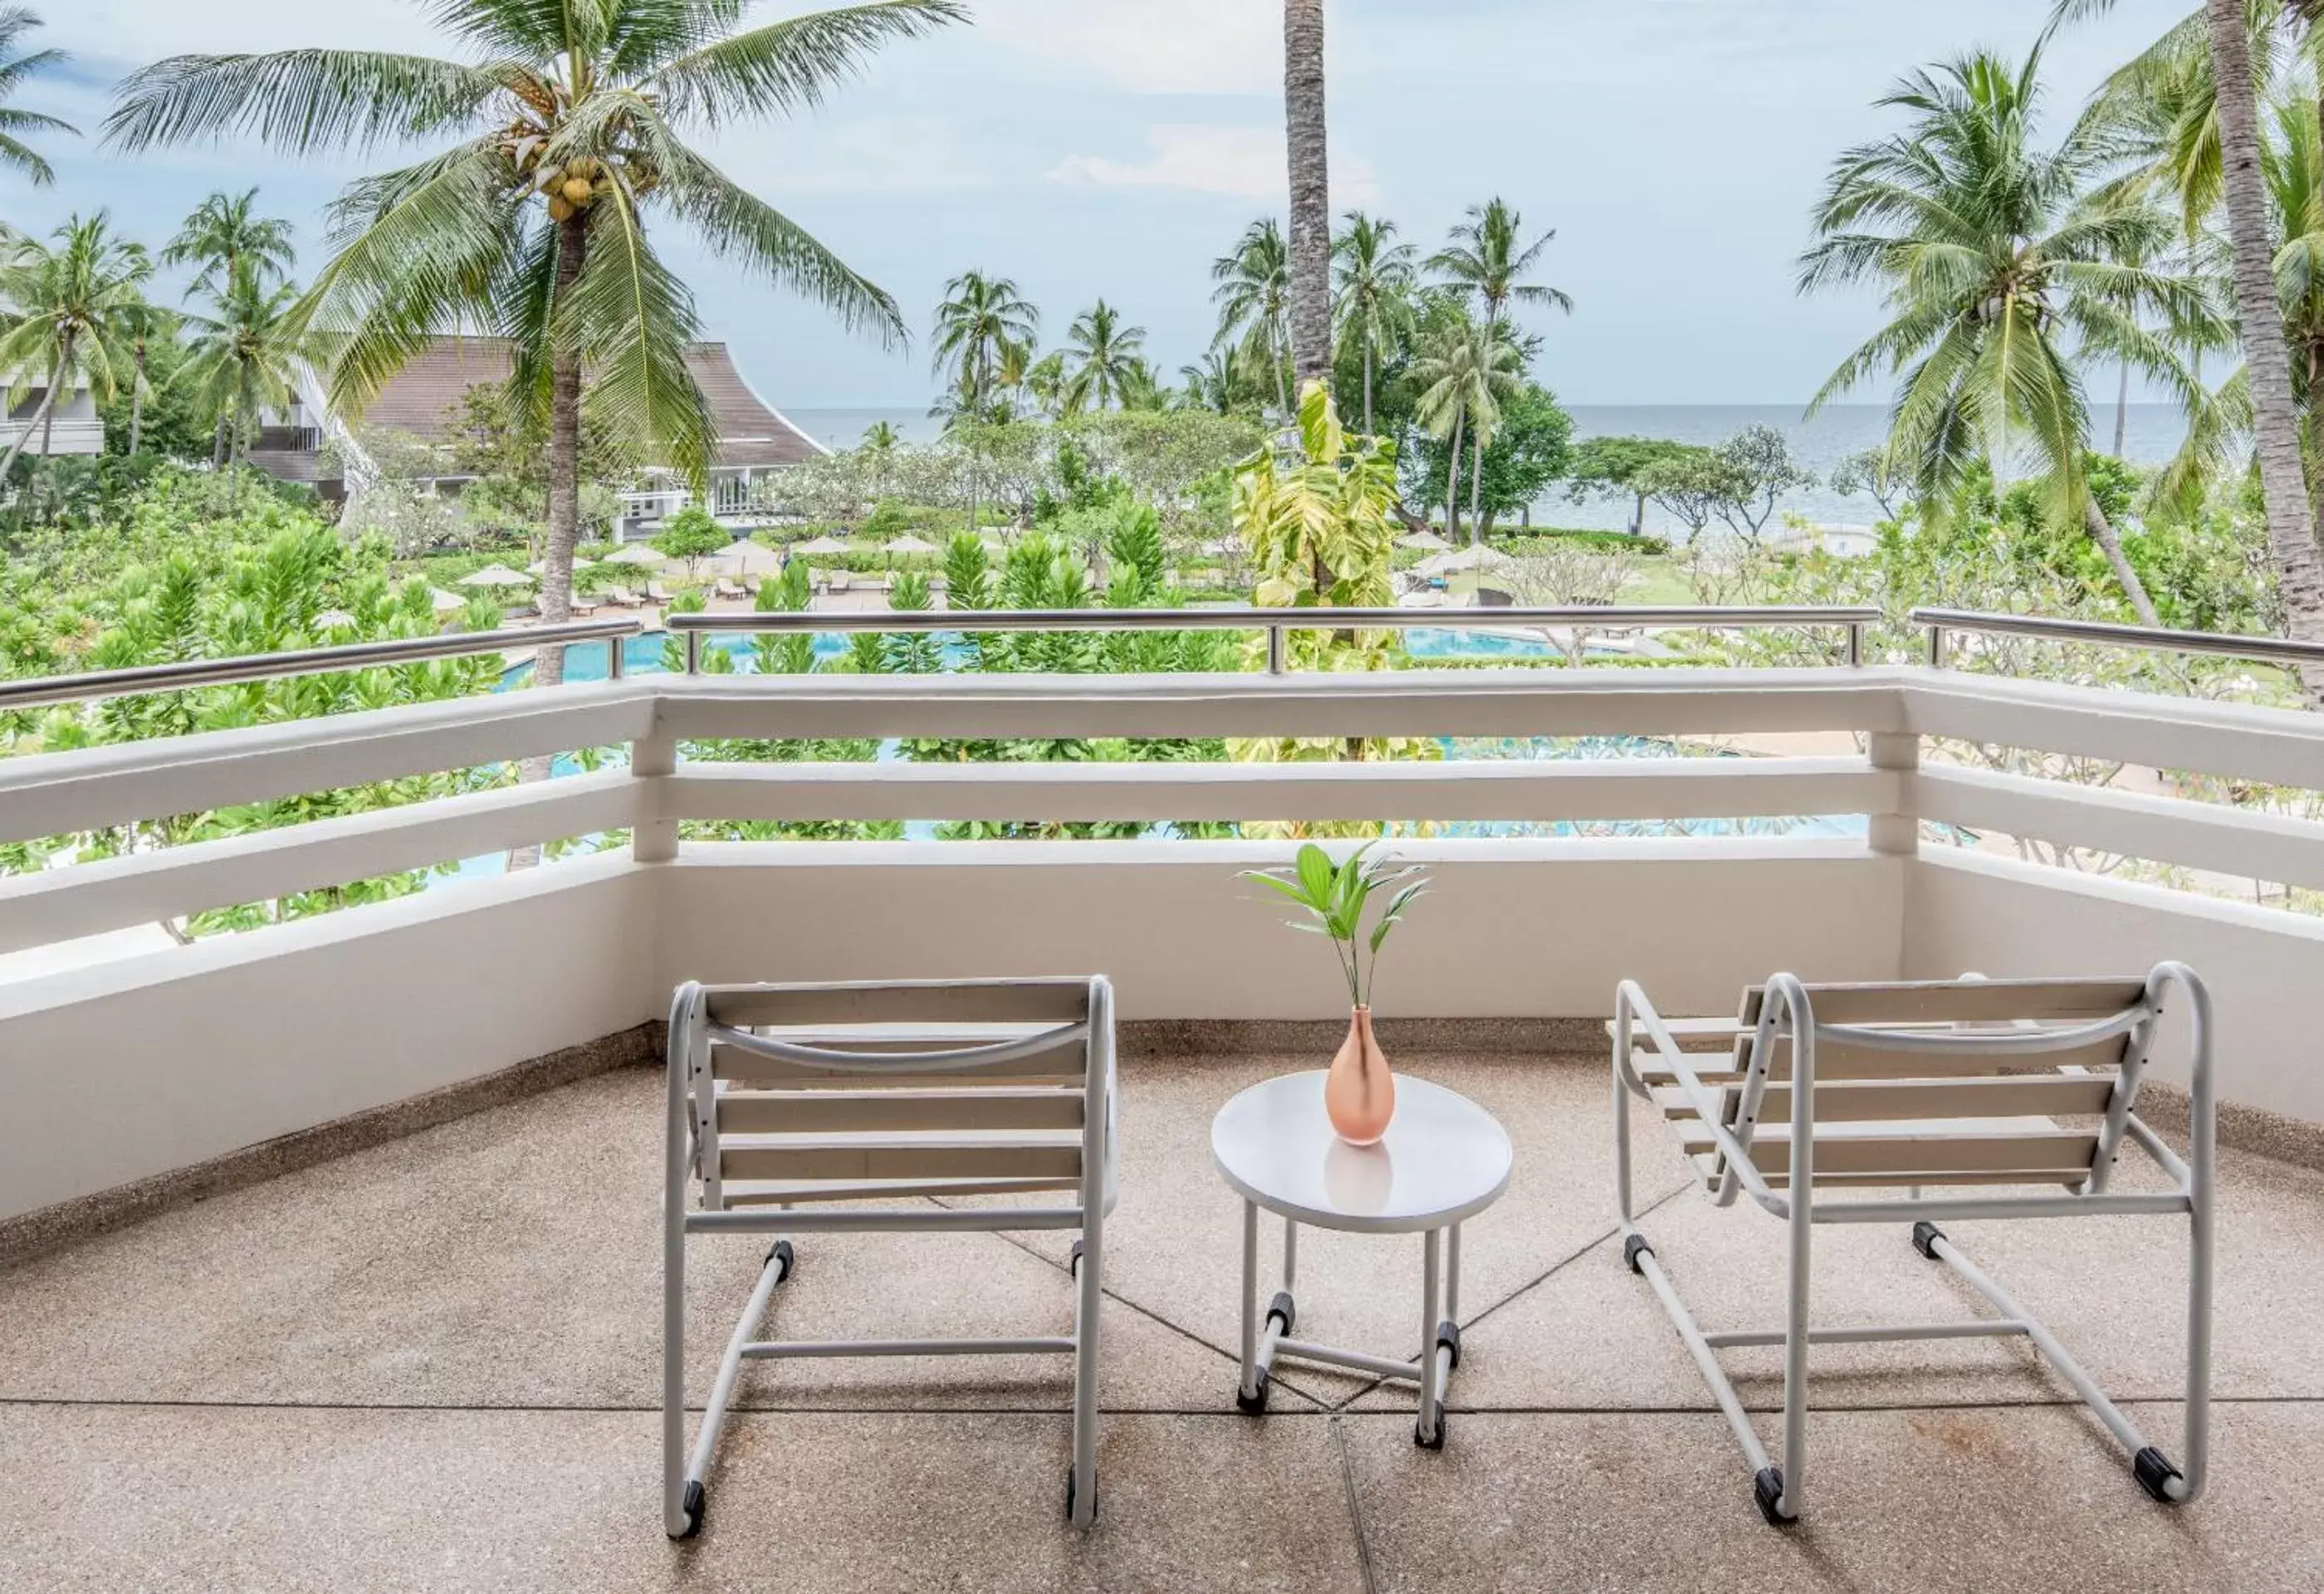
<point>693,1159</point>
<point>1786,1014</point>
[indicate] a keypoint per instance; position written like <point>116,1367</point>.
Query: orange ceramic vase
<point>1360,1092</point>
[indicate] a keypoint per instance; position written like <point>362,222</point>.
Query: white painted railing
<point>188,1052</point>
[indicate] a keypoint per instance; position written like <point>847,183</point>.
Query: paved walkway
<point>433,1365</point>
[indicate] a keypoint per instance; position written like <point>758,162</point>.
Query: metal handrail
<point>1277,623</point>
<point>42,691</point>
<point>1942,623</point>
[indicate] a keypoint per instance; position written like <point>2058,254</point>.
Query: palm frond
<point>787,67</point>
<point>299,101</point>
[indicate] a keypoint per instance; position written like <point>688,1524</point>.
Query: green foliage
<point>1335,898</point>
<point>887,520</point>
<point>1531,448</point>
<point>691,534</point>
<point>1320,527</point>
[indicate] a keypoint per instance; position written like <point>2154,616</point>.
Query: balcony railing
<point>202,1048</point>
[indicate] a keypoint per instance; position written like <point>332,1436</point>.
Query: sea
<point>2152,434</point>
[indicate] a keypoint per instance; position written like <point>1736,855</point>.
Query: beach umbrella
<point>742,557</point>
<point>820,545</point>
<point>496,575</point>
<point>637,553</point>
<point>333,619</point>
<point>907,544</point>
<point>1427,540</point>
<point>445,603</point>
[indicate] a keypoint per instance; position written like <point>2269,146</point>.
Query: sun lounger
<point>1959,1094</point>
<point>791,1106</point>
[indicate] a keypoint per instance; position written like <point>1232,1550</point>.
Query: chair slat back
<point>1982,1110</point>
<point>878,1091</point>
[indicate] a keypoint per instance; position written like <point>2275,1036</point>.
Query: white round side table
<point>1443,1159</point>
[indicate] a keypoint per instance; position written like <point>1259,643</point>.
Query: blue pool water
<point>643,655</point>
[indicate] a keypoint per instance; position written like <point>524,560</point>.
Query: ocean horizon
<point>2151,436</point>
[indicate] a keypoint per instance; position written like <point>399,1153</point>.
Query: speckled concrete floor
<point>433,1365</point>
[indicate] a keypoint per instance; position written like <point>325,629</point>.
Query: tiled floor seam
<point>1355,1506</point>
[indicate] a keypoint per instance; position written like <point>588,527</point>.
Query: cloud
<point>1150,46</point>
<point>1242,163</point>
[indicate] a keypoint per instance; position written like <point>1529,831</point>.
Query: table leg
<point>1428,1430</point>
<point>1250,1387</point>
<point>1290,1256</point>
<point>1452,1274</point>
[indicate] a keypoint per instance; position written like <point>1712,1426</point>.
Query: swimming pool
<point>643,655</point>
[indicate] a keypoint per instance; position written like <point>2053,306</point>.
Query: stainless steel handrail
<point>40,691</point>
<point>1942,623</point>
<point>1277,623</point>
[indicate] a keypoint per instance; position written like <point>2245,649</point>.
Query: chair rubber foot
<point>1768,1491</point>
<point>1448,1338</point>
<point>1074,1263</point>
<point>784,1257</point>
<point>693,1512</point>
<point>1254,1405</point>
<point>1284,1307</point>
<point>2154,1472</point>
<point>1633,1248</point>
<point>1925,1236</point>
<point>1069,1497</point>
<point>1422,1437</point>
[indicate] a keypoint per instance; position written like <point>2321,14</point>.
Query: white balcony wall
<point>1998,916</point>
<point>118,1070</point>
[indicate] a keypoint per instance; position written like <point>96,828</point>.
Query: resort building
<point>73,427</point>
<point>422,402</point>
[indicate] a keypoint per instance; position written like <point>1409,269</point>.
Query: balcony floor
<point>433,1365</point>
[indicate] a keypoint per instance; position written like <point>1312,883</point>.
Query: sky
<point>1115,148</point>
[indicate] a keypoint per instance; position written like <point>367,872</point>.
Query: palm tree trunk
<point>564,501</point>
<point>137,400</point>
<point>1453,479</point>
<point>1476,485</point>
<point>2101,531</point>
<point>48,397</point>
<point>1369,429</point>
<point>2290,537</point>
<point>2122,411</point>
<point>56,380</point>
<point>1282,383</point>
<point>1311,195</point>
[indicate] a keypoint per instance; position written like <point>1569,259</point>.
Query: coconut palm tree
<point>1311,192</point>
<point>565,135</point>
<point>1104,359</point>
<point>983,321</point>
<point>15,71</point>
<point>1463,373</point>
<point>1996,272</point>
<point>1253,296</point>
<point>1375,281</point>
<point>1486,259</point>
<point>983,328</point>
<point>1210,383</point>
<point>226,237</point>
<point>66,313</point>
<point>245,359</point>
<point>2228,26</point>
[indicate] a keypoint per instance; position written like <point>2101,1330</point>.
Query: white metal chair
<point>1945,1086</point>
<point>785,1097</point>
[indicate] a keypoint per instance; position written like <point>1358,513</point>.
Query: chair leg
<point>1081,1484</point>
<point>681,1502</point>
<point>1782,1495</point>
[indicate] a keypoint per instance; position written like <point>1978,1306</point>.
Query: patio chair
<point>730,589</point>
<point>1945,1089</point>
<point>787,1101</point>
<point>621,598</point>
<point>656,593</point>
